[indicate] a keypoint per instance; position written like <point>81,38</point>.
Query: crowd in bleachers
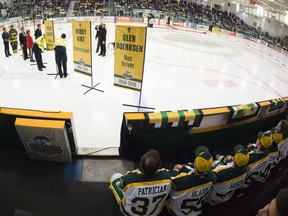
<point>90,8</point>
<point>189,186</point>
<point>180,10</point>
<point>200,14</point>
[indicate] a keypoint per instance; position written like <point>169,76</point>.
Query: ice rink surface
<point>183,70</point>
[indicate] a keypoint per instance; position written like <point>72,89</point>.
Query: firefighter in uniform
<point>60,55</point>
<point>5,36</point>
<point>38,49</point>
<point>23,43</point>
<point>13,38</point>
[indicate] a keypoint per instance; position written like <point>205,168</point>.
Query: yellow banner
<point>82,48</point>
<point>49,33</point>
<point>130,42</point>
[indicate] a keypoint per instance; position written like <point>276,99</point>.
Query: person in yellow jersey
<point>38,49</point>
<point>13,38</point>
<point>61,55</point>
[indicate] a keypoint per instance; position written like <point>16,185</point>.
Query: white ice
<point>183,70</point>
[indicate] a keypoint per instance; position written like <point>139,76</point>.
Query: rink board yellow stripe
<point>38,123</point>
<point>265,103</point>
<point>36,113</point>
<point>215,111</point>
<point>134,116</point>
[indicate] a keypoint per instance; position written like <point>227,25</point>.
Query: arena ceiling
<point>275,6</point>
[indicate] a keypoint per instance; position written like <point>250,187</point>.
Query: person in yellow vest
<point>60,55</point>
<point>13,38</point>
<point>38,49</point>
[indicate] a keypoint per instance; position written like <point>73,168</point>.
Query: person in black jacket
<point>5,36</point>
<point>98,45</point>
<point>102,39</point>
<point>23,43</point>
<point>38,31</point>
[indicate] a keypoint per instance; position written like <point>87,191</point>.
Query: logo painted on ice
<point>127,75</point>
<point>44,146</point>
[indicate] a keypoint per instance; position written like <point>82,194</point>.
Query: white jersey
<point>143,195</point>
<point>256,168</point>
<point>283,149</point>
<point>228,180</point>
<point>189,192</point>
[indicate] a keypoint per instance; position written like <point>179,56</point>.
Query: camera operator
<point>97,35</point>
<point>102,39</point>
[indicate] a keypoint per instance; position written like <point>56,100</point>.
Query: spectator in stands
<point>191,186</point>
<point>258,159</point>
<point>13,38</point>
<point>5,37</point>
<point>38,31</point>
<point>142,192</point>
<point>230,175</point>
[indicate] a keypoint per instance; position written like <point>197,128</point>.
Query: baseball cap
<point>277,135</point>
<point>22,27</point>
<point>204,159</point>
<point>265,138</point>
<point>241,156</point>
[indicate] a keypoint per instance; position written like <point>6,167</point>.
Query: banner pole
<point>139,102</point>
<point>91,55</point>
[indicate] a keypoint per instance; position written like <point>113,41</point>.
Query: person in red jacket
<point>30,44</point>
